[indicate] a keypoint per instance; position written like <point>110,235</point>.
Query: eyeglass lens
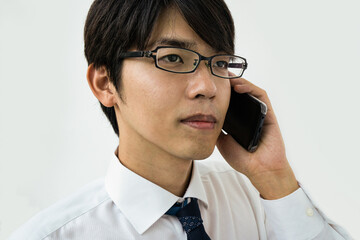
<point>182,61</point>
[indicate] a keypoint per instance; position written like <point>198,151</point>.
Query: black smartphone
<point>244,119</point>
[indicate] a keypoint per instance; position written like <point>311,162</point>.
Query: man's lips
<point>200,121</point>
<point>200,118</point>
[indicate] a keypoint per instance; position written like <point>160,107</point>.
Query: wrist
<point>275,185</point>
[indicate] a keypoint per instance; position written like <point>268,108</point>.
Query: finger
<point>239,80</point>
<point>235,81</point>
<point>243,88</point>
<point>242,85</point>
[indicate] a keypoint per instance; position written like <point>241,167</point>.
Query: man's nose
<point>202,82</point>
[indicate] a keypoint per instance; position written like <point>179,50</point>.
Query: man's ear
<point>101,86</point>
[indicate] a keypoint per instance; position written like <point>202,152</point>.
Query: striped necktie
<point>189,216</point>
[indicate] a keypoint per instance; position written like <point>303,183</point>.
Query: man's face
<point>157,101</point>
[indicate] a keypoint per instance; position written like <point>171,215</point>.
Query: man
<point>168,110</point>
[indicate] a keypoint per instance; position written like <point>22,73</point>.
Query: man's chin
<point>201,152</point>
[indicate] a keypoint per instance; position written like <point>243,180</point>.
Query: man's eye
<point>172,59</point>
<point>221,64</point>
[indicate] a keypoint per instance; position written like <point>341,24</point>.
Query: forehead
<point>172,29</point>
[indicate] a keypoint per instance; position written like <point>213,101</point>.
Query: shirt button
<point>310,212</point>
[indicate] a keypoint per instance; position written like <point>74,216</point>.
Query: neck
<point>164,170</point>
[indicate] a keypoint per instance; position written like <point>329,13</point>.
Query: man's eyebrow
<point>174,43</point>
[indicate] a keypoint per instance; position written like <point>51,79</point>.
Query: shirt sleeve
<point>296,217</point>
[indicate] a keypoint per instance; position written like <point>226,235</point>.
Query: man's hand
<point>267,168</point>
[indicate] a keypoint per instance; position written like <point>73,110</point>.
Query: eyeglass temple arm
<point>136,54</point>
<point>238,65</point>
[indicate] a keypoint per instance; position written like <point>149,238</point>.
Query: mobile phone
<point>244,119</point>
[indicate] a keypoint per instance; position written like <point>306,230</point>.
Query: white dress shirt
<point>126,206</point>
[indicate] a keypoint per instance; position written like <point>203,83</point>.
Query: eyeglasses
<point>181,60</point>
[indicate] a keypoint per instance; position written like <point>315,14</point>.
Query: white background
<point>54,137</point>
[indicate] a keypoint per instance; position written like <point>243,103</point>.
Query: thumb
<point>230,149</point>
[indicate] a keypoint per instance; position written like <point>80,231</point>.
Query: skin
<point>154,143</point>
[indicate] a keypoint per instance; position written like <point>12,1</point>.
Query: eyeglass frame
<point>149,54</point>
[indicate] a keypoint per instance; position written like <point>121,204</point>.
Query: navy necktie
<point>190,219</point>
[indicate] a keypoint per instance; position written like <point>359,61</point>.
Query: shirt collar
<point>141,201</point>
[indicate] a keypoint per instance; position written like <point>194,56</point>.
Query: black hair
<point>113,26</point>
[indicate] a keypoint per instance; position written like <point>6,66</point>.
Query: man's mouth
<point>200,121</point>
